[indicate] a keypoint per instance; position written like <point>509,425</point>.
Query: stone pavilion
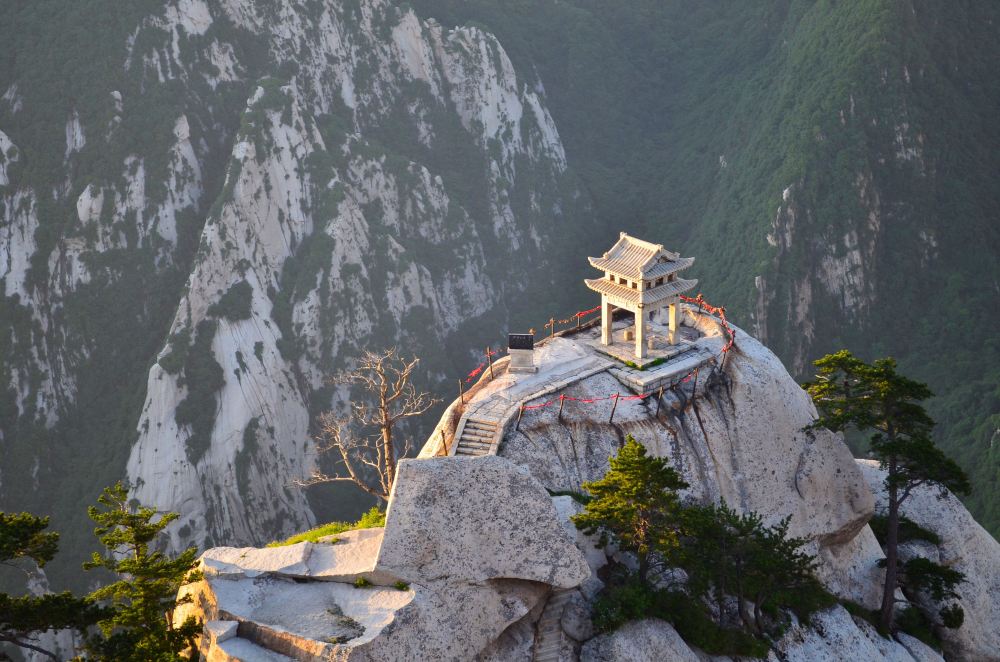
<point>642,278</point>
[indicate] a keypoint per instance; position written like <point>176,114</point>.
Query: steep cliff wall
<point>251,195</point>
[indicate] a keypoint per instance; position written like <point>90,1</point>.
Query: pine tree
<point>635,505</point>
<point>140,627</point>
<point>25,541</point>
<point>725,553</point>
<point>850,393</point>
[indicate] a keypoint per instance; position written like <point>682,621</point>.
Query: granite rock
<point>965,546</point>
<point>476,519</point>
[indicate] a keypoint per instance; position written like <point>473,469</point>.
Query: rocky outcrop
<point>715,431</point>
<point>446,578</point>
<point>266,191</point>
<point>494,568</point>
<point>965,546</point>
<point>499,520</point>
<point>832,636</point>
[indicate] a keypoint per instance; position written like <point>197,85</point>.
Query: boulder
<point>850,570</point>
<point>834,635</point>
<point>474,520</point>
<point>566,507</point>
<point>343,558</point>
<point>649,640</point>
<point>966,547</point>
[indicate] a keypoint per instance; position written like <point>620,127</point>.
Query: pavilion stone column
<point>675,311</point>
<point>606,320</point>
<point>640,332</point>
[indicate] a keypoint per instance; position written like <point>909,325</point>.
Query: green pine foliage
<point>24,541</point>
<point>727,553</point>
<point>203,377</point>
<point>908,530</point>
<point>743,577</point>
<point>24,536</point>
<point>235,304</point>
<point>140,626</point>
<point>875,398</point>
<point>635,505</point>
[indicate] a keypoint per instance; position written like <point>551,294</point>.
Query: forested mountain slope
<point>832,165</point>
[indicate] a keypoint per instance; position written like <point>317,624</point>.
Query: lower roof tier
<point>632,297</point>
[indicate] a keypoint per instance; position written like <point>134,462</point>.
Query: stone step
<point>475,441</point>
<point>478,438</point>
<point>463,451</point>
<point>239,649</point>
<point>549,638</point>
<point>481,425</point>
<point>481,434</point>
<point>472,445</point>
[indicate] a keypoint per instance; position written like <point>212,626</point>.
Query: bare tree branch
<point>363,441</point>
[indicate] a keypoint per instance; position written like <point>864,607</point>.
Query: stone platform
<point>566,359</point>
<point>622,348</point>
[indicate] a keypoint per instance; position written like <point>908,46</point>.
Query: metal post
<point>444,442</point>
<point>659,400</point>
<point>552,323</point>
<point>562,400</point>
<point>461,392</point>
<point>520,413</point>
<point>579,319</point>
<point>613,407</point>
<point>489,357</point>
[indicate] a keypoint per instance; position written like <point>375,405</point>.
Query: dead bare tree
<point>363,440</point>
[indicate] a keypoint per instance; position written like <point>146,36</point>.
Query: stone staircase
<point>550,639</point>
<point>476,436</point>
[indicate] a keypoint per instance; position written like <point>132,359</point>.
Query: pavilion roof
<point>640,259</point>
<point>635,296</point>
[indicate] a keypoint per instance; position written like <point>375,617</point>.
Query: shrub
<point>908,530</point>
<point>630,599</point>
<point>401,586</point>
<point>362,582</point>
<point>913,622</point>
<point>235,304</point>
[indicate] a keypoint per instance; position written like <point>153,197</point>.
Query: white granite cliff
<point>356,175</point>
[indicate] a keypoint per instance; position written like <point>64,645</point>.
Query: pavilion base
<point>624,350</point>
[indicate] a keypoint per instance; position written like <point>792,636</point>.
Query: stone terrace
<point>571,357</point>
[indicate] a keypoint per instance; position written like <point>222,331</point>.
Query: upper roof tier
<point>640,259</point>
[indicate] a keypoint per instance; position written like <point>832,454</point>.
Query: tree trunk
<point>643,564</point>
<point>387,449</point>
<point>891,554</point>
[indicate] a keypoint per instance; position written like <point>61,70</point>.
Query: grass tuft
<point>370,520</point>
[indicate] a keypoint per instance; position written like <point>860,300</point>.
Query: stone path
<point>562,362</point>
<point>550,638</point>
<point>482,425</point>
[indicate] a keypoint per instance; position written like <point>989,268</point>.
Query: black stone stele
<point>521,340</point>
